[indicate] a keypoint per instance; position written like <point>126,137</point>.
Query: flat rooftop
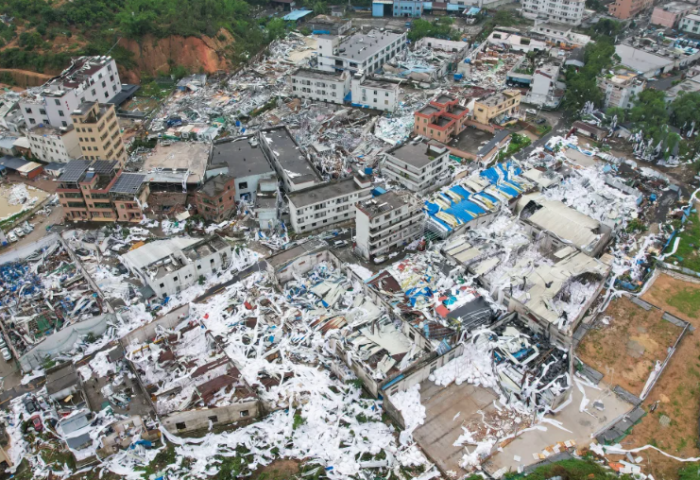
<point>179,157</point>
<point>428,110</point>
<point>368,82</point>
<point>386,203</point>
<point>43,129</point>
<point>497,98</point>
<point>318,74</point>
<point>243,157</point>
<point>360,47</point>
<point>418,155</point>
<point>282,258</point>
<point>289,156</point>
<point>640,60</point>
<point>322,193</point>
<point>443,99</point>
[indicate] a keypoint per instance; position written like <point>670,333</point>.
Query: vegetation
<point>517,143</point>
<point>688,253</point>
<point>582,85</point>
<point>440,28</point>
<point>636,225</point>
<point>575,469</point>
<point>690,471</point>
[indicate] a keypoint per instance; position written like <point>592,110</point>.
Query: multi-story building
<point>321,85</point>
<point>559,35</point>
<point>98,132</point>
<point>327,204</point>
<point>441,119</point>
<point>51,144</point>
<point>98,191</point>
<point>290,162</point>
<point>670,14</point>
<point>544,91</point>
<point>624,9</point>
<point>215,199</point>
<point>372,93</point>
<point>388,221</point>
<point>690,24</point>
<point>366,52</point>
<point>621,88</point>
<point>329,25</point>
<point>497,108</point>
<point>88,79</point>
<point>564,11</point>
<point>408,8</point>
<point>419,166</point>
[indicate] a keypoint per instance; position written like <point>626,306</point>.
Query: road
<point>525,152</point>
<point>259,266</point>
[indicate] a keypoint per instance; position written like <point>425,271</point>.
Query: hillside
<point>146,37</point>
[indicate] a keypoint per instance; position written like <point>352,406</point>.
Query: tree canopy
<point>582,85</point>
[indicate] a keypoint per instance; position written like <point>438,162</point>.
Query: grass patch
<point>686,301</point>
<point>517,143</point>
<point>688,253</point>
<point>570,470</point>
<point>154,90</point>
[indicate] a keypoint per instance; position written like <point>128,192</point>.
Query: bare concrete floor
<point>582,428</point>
<point>441,428</point>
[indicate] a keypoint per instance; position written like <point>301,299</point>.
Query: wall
<point>158,200</point>
<point>148,332</point>
<point>199,419</point>
<point>663,18</point>
<point>303,264</point>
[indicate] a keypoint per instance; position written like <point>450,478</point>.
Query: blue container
<point>458,77</point>
<point>368,170</point>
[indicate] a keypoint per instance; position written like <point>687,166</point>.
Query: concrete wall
<point>199,418</point>
<point>303,264</point>
<point>148,331</point>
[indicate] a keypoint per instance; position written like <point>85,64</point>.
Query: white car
<point>18,231</point>
<point>340,243</point>
<point>2,343</point>
<point>6,353</point>
<point>11,237</point>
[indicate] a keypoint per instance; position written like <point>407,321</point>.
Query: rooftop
<point>179,157</point>
<point>289,156</point>
<point>80,71</point>
<point>360,47</point>
<point>128,183</point>
<point>419,155</point>
<point>215,185</point>
<point>324,192</point>
<point>319,74</point>
<point>387,202</point>
<point>44,130</point>
<point>74,171</point>
<point>156,251</point>
<point>498,98</point>
<point>327,19</point>
<point>640,60</point>
<point>242,155</point>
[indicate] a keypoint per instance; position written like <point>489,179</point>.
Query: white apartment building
<point>377,94</point>
<point>170,266</point>
<point>621,88</point>
<point>690,24</point>
<point>327,204</point>
<point>419,166</point>
<point>561,11</point>
<point>367,52</point>
<point>51,144</point>
<point>544,88</point>
<point>388,221</point>
<point>321,85</point>
<point>88,79</point>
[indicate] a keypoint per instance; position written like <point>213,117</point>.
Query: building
<point>576,58</point>
<point>99,191</point>
<point>98,132</point>
<point>215,198</point>
<point>267,200</point>
<point>366,52</point>
<point>290,162</point>
<point>244,160</point>
<point>387,221</point>
<point>498,108</point>
<point>559,35</point>
<point>441,119</point>
<point>621,88</point>
<point>7,146</point>
<point>51,144</point>
<point>11,117</point>
<point>178,159</point>
<point>88,79</point>
<point>562,11</point>
<point>321,85</point>
<point>329,25</point>
<point>545,91</point>
<point>372,93</point>
<point>456,50</point>
<point>20,166</point>
<point>419,166</point>
<point>327,204</point>
<point>624,9</point>
<point>690,24</point>
<point>515,42</point>
<point>170,266</point>
<point>643,62</point>
<point>670,14</point>
<point>408,8</point>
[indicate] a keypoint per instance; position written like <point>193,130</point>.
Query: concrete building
<point>690,24</point>
<point>371,93</point>
<point>329,25</point>
<point>559,35</point>
<point>88,79</point>
<point>621,88</point>
<point>267,201</point>
<point>545,90</point>
<point>128,194</point>
<point>563,11</point>
<point>292,164</point>
<point>419,166</point>
<point>51,144</point>
<point>244,160</point>
<point>215,198</point>
<point>669,15</point>
<point>367,52</point>
<point>515,42</point>
<point>327,204</point>
<point>321,85</point>
<point>498,108</point>
<point>170,266</point>
<point>624,9</point>
<point>441,119</point>
<point>98,132</point>
<point>648,64</point>
<point>408,8</point>
<point>387,221</point>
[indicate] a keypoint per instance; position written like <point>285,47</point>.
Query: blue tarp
<point>453,7</point>
<point>500,172</point>
<point>461,191</point>
<point>296,15</point>
<point>473,11</point>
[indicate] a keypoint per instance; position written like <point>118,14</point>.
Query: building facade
<point>624,9</point>
<point>98,132</point>
<point>329,25</point>
<point>562,11</point>
<point>498,107</point>
<point>366,52</point>
<point>670,14</point>
<point>51,144</point>
<point>690,24</point>
<point>621,88</point>
<point>376,94</point>
<point>418,166</point>
<point>441,119</point>
<point>544,91</point>
<point>324,205</point>
<point>408,8</point>
<point>215,199</point>
<point>321,85</point>
<point>386,222</point>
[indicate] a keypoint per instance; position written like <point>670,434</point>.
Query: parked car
<point>30,405</point>
<point>340,243</point>
<point>27,227</point>
<point>380,259</point>
<point>36,422</point>
<point>11,237</point>
<point>6,353</point>
<point>18,231</point>
<point>2,342</point>
<point>540,121</point>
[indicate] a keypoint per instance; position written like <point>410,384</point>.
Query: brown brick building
<point>216,199</point>
<point>441,119</point>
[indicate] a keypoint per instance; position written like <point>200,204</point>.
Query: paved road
<point>524,153</point>
<point>260,266</point>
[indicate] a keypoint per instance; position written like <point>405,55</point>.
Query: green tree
<point>276,28</point>
<point>320,8</point>
<point>582,85</point>
<point>650,115</point>
<point>686,109</point>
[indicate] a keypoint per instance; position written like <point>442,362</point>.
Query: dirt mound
<point>25,78</point>
<point>156,55</point>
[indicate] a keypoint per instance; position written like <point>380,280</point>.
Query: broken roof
<point>418,154</point>
<point>289,156</point>
<point>157,250</point>
<point>179,157</point>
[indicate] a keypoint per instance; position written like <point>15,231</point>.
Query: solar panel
<point>128,183</point>
<point>74,170</point>
<point>103,166</point>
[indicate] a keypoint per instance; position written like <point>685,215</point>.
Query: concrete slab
<point>581,426</point>
<point>440,430</point>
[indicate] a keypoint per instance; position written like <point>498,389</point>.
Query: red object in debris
<point>442,311</point>
<point>248,306</point>
<point>36,420</point>
<point>206,316</point>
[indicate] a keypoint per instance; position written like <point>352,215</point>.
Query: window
<point>64,124</point>
<point>32,121</point>
<point>213,419</point>
<point>162,285</point>
<point>58,102</point>
<point>245,413</point>
<point>180,425</point>
<point>199,267</point>
<point>28,110</point>
<point>93,92</point>
<point>42,111</point>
